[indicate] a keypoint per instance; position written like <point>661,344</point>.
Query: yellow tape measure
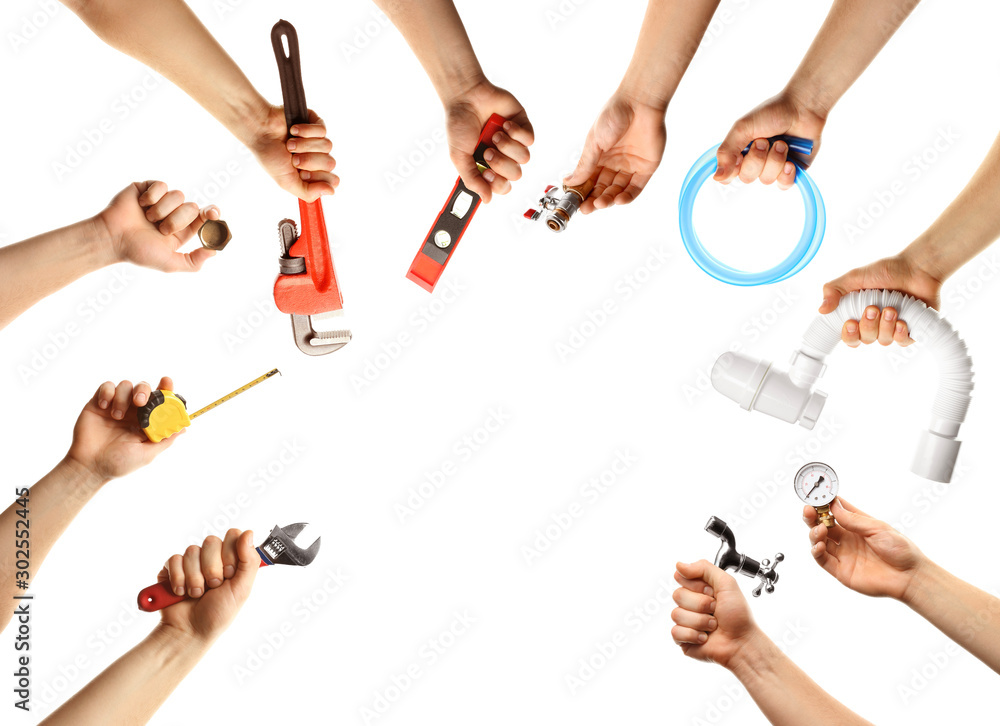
<point>166,412</point>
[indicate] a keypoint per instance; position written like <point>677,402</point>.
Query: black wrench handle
<point>293,94</point>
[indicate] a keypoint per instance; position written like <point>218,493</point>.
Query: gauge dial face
<point>817,484</point>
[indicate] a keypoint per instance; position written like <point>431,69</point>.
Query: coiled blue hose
<point>805,250</point>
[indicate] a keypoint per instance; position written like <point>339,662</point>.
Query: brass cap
<point>214,234</point>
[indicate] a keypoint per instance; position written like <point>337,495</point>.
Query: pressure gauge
<point>817,485</point>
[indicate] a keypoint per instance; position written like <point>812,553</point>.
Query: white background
<point>639,384</point>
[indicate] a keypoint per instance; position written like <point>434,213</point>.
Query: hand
<point>301,164</point>
<point>107,440</point>
<point>892,273</point>
<point>866,555</point>
<point>146,224</point>
<point>713,619</point>
<point>466,114</point>
<point>623,149</point>
<point>781,115</point>
<point>216,577</point>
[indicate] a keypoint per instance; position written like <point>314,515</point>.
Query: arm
<point>168,37</point>
<point>132,688</point>
<point>969,225</point>
<point>107,444</point>
<point>870,557</point>
<point>713,623</point>
<point>436,35</point>
<point>144,224</point>
<point>852,35</point>
<point>625,145</point>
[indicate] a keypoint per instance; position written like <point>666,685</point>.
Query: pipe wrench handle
<point>293,93</point>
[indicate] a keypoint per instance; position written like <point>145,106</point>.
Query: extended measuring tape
<point>165,413</point>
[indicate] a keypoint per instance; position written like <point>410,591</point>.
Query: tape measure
<point>165,413</point>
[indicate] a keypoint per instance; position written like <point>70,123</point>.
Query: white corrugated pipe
<point>755,385</point>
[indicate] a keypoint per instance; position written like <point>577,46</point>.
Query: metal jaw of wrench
<point>560,206</point>
<point>729,559</point>
<point>278,549</point>
<point>306,287</point>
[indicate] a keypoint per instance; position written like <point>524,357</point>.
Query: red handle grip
<point>159,596</point>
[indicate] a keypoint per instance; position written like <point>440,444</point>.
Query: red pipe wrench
<point>306,287</point>
<point>452,220</point>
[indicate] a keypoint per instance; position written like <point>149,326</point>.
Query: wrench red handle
<point>159,596</point>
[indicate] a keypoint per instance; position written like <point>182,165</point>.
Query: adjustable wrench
<point>306,287</point>
<point>278,549</point>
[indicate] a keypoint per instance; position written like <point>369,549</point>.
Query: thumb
<point>704,570</point>
<point>586,167</point>
<point>246,567</point>
<point>836,289</point>
<point>187,261</point>
<point>730,154</point>
<point>856,522</point>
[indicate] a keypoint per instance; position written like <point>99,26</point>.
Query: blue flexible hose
<point>805,250</point>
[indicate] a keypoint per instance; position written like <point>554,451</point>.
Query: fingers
<point>509,147</point>
<point>164,206</point>
<point>521,134</point>
<point>860,524</point>
<point>886,326</point>
<point>193,578</point>
<point>248,562</point>
<point>310,149</point>
<point>230,558</point>
<point>502,165</point>
<point>166,383</point>
<point>775,163</point>
<point>821,534</point>
<point>825,559</point>
<point>586,167</point>
<point>188,261</point>
<point>696,602</point>
<point>150,192</point>
<point>693,585</point>
<point>211,561</point>
<point>901,334</point>
<point>695,621</point>
<point>868,325</point>
<point>121,400</point>
<point>140,394</point>
<point>182,217</point>
<point>313,162</point>
<point>729,157</point>
<point>844,504</point>
<point>850,333</point>
<point>809,515</point>
<point>683,635</point>
<point>105,392</point>
<point>307,145</point>
<point>753,162</point>
<point>175,572</point>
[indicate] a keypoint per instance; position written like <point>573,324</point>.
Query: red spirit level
<point>452,220</point>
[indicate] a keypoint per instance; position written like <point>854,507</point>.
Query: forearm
<point>132,688</point>
<point>961,611</point>
<point>970,224</point>
<point>37,267</point>
<point>852,35</point>
<point>783,692</point>
<point>52,504</point>
<point>670,35</point>
<point>434,31</point>
<point>169,38</point>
